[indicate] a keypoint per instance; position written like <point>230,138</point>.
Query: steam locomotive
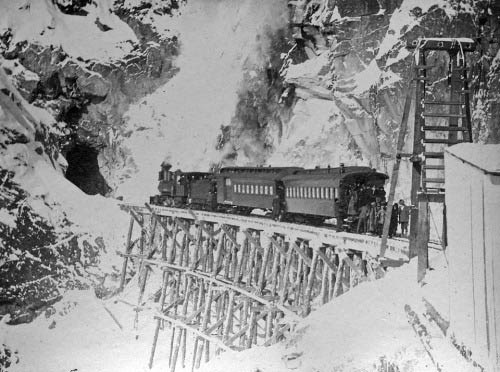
<point>291,194</point>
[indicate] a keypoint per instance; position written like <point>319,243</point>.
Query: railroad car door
<point>213,195</point>
<point>226,186</point>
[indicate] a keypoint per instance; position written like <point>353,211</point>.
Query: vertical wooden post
<point>338,278</point>
<point>310,282</point>
<point>262,273</point>
<point>324,280</point>
<point>423,238</point>
<point>418,148</point>
<point>444,234</point>
<point>346,276</point>
<point>298,281</point>
<point>158,320</point>
<point>241,261</point>
<point>283,293</point>
<point>332,276</point>
<point>250,264</point>
<point>274,270</point>
<point>228,322</point>
<point>127,251</point>
<point>244,319</point>
<point>251,325</point>
<point>205,321</point>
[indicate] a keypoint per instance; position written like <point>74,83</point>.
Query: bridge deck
<point>397,249</point>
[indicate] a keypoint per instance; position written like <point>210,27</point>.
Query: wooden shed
<point>472,173</point>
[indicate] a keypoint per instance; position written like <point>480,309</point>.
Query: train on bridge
<point>291,194</point>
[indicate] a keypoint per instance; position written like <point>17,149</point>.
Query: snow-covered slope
<point>365,329</point>
<point>42,22</point>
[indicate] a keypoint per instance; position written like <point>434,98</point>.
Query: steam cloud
<point>180,121</point>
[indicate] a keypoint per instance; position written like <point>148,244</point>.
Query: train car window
<point>266,190</point>
<point>261,189</point>
<point>301,190</point>
<point>247,189</point>
<point>322,192</point>
<point>335,193</point>
<point>228,181</point>
<point>234,188</point>
<point>316,193</point>
<point>271,190</point>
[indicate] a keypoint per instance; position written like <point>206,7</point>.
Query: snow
<point>485,157</point>
<point>367,78</point>
<point>310,68</point>
<point>316,135</point>
<point>342,335</point>
<point>7,218</point>
<point>403,20</point>
<point>40,21</point>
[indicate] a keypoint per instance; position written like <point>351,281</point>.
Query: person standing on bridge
<point>372,218</point>
<point>380,219</point>
<point>404,217</point>
<point>363,216</point>
<point>393,226</point>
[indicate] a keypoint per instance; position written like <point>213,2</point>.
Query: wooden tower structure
<point>439,122</point>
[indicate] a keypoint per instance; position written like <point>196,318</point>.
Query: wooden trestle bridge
<point>230,281</point>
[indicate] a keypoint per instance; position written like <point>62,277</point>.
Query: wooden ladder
<point>442,123</point>
<point>439,123</point>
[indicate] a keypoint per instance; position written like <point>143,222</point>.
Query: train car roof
<point>332,176</point>
<point>336,170</point>
<point>195,174</point>
<point>258,169</point>
<point>257,173</point>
